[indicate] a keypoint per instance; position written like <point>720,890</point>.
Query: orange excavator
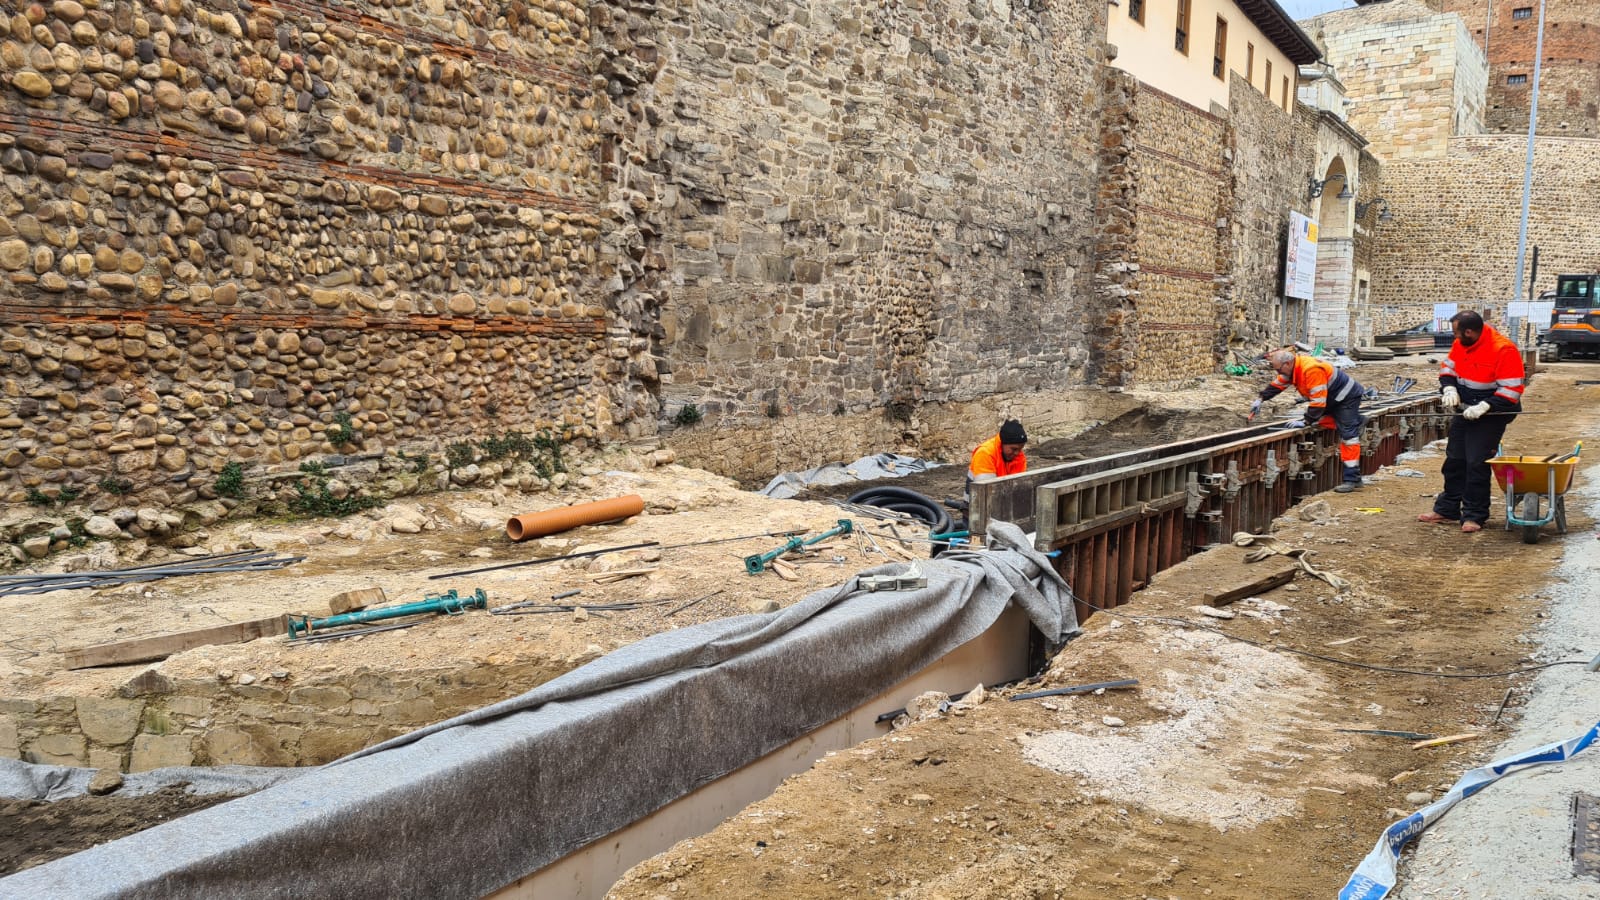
<point>1575,320</point>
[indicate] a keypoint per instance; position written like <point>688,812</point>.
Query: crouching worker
<point>999,456</point>
<point>1333,401</point>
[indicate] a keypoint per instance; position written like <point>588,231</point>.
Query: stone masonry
<point>1454,234</point>
<point>1415,76</point>
<point>223,227</point>
<point>1569,88</point>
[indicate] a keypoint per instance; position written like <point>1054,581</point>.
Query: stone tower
<point>1569,89</point>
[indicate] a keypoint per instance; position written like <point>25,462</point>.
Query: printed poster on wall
<point>1300,270</point>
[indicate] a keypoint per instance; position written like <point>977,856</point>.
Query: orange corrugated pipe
<point>532,525</point>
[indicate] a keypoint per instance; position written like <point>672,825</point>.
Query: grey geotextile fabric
<point>464,807</point>
<point>30,781</point>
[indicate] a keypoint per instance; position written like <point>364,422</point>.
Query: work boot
<point>1347,486</point>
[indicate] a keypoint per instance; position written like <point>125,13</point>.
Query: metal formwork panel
<point>1117,527</point>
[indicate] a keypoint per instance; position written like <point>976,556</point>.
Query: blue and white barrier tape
<point>1377,874</point>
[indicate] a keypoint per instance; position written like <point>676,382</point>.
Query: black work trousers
<point>1467,479</point>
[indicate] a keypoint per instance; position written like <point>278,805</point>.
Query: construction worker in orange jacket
<point>1000,455</point>
<point>1333,400</point>
<point>1483,378</point>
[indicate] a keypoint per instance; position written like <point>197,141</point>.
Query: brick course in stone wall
<point>1569,90</point>
<point>223,226</point>
<point>1184,192</point>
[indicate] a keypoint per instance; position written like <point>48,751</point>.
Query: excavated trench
<point>257,713</point>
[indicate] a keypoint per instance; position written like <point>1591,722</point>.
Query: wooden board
<point>349,601</point>
<point>1267,582</point>
<point>164,645</point>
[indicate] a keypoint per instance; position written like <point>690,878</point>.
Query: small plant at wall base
<point>118,487</point>
<point>230,482</point>
<point>63,496</point>
<point>317,499</point>
<point>459,455</point>
<point>688,415</point>
<point>343,433</point>
<point>419,463</point>
<point>548,461</point>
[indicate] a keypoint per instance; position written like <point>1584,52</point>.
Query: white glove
<point>1476,410</point>
<point>1255,408</point>
<point>1295,423</point>
<point>1449,398</point>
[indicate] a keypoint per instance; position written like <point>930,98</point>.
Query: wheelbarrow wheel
<point>1530,513</point>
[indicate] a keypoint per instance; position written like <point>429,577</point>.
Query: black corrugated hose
<point>903,500</point>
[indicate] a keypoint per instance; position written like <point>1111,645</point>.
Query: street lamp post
<point>1527,175</point>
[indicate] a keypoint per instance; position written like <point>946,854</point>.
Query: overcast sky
<point>1304,9</point>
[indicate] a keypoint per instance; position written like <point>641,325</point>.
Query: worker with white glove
<point>1333,401</point>
<point>1484,373</point>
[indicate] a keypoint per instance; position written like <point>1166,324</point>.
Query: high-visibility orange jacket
<point>1317,381</point>
<point>1490,369</point>
<point>986,460</point>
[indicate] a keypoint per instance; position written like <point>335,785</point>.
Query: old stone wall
<point>255,719</point>
<point>1272,156</point>
<point>1184,201</point>
<point>1454,233</point>
<point>1414,75</point>
<point>224,227</point>
<point>844,208</point>
<point>1569,90</point>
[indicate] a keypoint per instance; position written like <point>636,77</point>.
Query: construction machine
<point>1575,320</point>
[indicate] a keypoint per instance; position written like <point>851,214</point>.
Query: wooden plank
<point>164,645</point>
<point>349,601</point>
<point>1260,583</point>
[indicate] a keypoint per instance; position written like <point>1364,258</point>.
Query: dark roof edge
<point>1282,30</point>
<point>1343,127</point>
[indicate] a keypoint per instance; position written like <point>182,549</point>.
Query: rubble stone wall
<point>225,226</point>
<point>254,719</point>
<point>1272,156</point>
<point>843,208</point>
<point>1184,201</point>
<point>1454,234</point>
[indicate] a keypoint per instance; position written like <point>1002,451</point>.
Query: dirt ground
<point>1223,774</point>
<point>34,832</point>
<point>944,842</point>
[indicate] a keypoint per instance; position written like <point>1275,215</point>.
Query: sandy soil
<point>1224,773</point>
<point>924,793</point>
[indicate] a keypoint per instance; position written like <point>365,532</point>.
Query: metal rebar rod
<point>165,564</point>
<point>358,632</point>
<point>685,606</point>
<point>742,537</point>
<point>547,559</point>
<point>1080,689</point>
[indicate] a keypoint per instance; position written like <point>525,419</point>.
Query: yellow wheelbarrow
<point>1528,479</point>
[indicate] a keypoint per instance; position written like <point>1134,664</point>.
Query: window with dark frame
<point>1285,93</point>
<point>1266,83</point>
<point>1522,12</point>
<point>1219,53</point>
<point>1136,10</point>
<point>1250,62</point>
<point>1516,79</point>
<point>1181,38</point>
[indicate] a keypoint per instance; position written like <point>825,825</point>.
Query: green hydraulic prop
<point>756,563</point>
<point>448,603</point>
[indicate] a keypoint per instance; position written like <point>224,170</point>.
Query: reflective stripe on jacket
<point>986,460</point>
<point>1490,369</point>
<point>1317,381</point>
